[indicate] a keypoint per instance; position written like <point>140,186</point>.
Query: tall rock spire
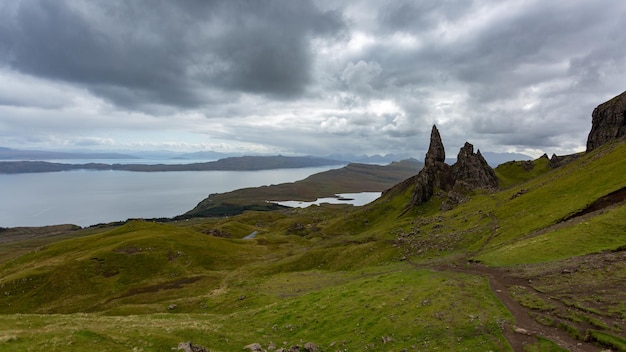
<point>436,151</point>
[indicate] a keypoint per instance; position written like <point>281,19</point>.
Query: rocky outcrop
<point>608,122</point>
<point>472,169</point>
<point>470,172</point>
<point>435,174</point>
<point>560,160</point>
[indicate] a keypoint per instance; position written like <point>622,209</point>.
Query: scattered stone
<point>310,347</point>
<point>254,347</point>
<point>518,193</point>
<point>387,339</point>
<point>189,347</point>
<point>172,306</point>
<point>521,331</point>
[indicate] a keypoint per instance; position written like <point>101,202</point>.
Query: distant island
<point>20,155</point>
<point>244,163</point>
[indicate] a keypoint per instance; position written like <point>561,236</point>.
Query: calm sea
<point>90,197</point>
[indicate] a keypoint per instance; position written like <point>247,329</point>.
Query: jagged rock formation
<point>608,122</point>
<point>435,174</point>
<point>471,171</point>
<point>560,160</point>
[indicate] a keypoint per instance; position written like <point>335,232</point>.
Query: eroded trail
<point>526,328</point>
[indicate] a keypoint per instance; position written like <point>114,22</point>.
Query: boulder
<point>189,347</point>
<point>254,347</point>
<point>608,122</point>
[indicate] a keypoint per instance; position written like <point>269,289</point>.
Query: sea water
<point>86,198</point>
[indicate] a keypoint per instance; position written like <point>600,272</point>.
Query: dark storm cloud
<point>167,52</point>
<point>367,76</point>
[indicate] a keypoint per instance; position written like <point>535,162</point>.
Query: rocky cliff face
<point>471,171</point>
<point>608,122</point>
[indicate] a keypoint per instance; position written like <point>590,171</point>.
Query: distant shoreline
<point>244,163</point>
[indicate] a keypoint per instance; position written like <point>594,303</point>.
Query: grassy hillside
<point>536,266</point>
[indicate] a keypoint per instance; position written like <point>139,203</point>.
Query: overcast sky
<point>307,77</point>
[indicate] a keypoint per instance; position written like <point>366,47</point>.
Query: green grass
<point>614,342</point>
<point>515,172</point>
<point>529,299</point>
<point>601,233</point>
<point>139,260</point>
<point>353,309</point>
<point>544,345</point>
<point>549,199</point>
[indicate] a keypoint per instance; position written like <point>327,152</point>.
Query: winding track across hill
<point>526,328</point>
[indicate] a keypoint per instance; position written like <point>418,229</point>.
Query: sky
<point>307,77</point>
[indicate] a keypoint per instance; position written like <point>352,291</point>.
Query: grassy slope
<point>549,199</point>
<point>323,274</point>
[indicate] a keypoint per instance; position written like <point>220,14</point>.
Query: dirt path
<point>526,328</point>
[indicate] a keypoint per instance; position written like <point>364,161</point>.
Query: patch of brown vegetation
<point>602,203</point>
<point>15,234</point>
<point>158,287</point>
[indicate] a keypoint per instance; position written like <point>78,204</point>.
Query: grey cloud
<point>421,15</point>
<point>359,77</point>
<point>142,51</point>
<point>293,76</point>
<point>498,62</point>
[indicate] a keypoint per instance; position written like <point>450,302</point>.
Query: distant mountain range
<point>17,154</point>
<point>244,163</point>
<point>9,154</point>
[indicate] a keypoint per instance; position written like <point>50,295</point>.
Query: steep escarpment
<point>608,122</point>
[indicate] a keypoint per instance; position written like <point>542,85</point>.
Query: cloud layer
<point>307,77</point>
